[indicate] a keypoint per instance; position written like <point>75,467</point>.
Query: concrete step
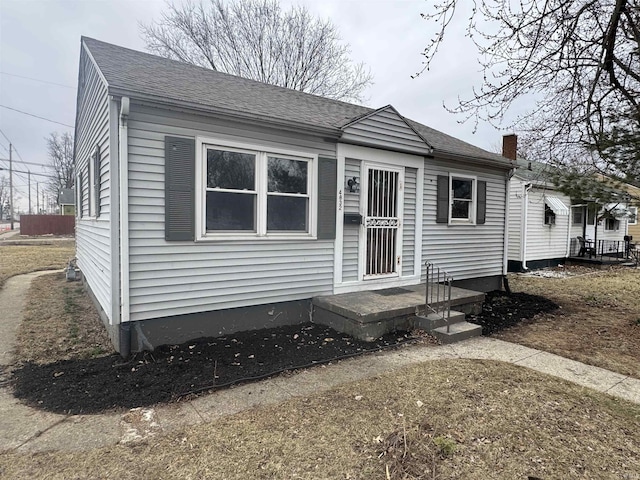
<point>457,332</point>
<point>432,321</point>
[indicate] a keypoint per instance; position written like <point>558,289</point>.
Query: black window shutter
<point>327,178</point>
<point>442,199</point>
<point>96,180</point>
<point>481,214</point>
<point>179,188</point>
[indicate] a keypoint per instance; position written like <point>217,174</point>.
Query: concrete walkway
<point>25,429</point>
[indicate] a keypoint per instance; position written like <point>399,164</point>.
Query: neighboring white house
<point>209,203</point>
<point>544,223</point>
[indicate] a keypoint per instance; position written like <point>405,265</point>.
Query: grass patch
<point>60,322</point>
<point>597,323</point>
<point>19,259</point>
<point>449,419</point>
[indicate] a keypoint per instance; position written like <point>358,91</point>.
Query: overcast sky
<point>40,39</point>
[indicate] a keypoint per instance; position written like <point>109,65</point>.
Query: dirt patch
<point>500,311</point>
<point>172,372</point>
<point>18,259</point>
<point>60,322</point>
<point>458,419</point>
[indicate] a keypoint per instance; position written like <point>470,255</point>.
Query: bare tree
<point>4,195</point>
<point>256,39</point>
<point>579,59</point>
<point>60,151</point>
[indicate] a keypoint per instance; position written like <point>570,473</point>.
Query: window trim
<point>615,222</point>
<point>552,215</point>
<point>473,207</point>
<point>79,212</point>
<point>635,216</point>
<point>582,211</point>
<point>262,153</point>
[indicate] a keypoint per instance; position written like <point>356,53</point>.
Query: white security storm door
<point>382,223</point>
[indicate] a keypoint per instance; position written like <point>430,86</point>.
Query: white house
<point>209,203</point>
<point>545,224</point>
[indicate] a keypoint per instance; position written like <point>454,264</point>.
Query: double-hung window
<point>462,199</point>
<point>252,192</point>
<point>633,215</point>
<point>611,224</point>
<point>231,191</point>
<point>578,215</point>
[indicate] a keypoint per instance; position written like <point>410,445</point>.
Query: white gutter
<point>525,214</point>
<point>124,208</point>
<point>114,214</point>
<point>505,248</point>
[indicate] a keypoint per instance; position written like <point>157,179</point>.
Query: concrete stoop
<point>368,315</point>
<point>451,330</point>
<point>457,332</point>
<point>368,329</point>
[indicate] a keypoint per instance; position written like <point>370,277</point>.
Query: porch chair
<point>586,247</point>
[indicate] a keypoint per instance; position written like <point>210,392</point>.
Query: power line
<point>17,172</point>
<point>28,163</point>
<point>37,80</point>
<point>12,144</point>
<point>36,116</point>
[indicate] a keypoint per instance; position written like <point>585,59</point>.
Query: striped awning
<point>557,205</point>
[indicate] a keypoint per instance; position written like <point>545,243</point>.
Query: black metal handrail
<point>438,292</point>
<point>609,249</point>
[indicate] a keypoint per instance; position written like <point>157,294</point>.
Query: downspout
<point>525,215</point>
<point>568,249</point>
<point>125,326</point>
<point>505,247</point>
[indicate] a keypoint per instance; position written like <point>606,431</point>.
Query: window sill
<point>455,221</point>
<point>254,238</point>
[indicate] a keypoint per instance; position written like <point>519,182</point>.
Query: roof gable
<point>385,128</point>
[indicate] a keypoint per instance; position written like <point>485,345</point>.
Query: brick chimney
<point>509,145</point>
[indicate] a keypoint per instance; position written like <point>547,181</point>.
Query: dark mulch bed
<point>501,310</point>
<point>171,372</point>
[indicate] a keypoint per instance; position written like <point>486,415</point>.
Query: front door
<point>383,211</point>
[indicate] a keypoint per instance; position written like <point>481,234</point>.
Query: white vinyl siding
<point>385,129</point>
<point>617,235</point>
<point>464,250</point>
<point>93,235</point>
<point>409,221</point>
<point>546,241</point>
<point>173,278</point>
<point>351,232</point>
<point>516,227</point>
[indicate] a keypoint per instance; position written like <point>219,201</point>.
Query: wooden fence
<point>47,224</point>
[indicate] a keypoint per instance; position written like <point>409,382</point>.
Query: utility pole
<point>29,173</point>
<point>37,199</point>
<point>11,184</point>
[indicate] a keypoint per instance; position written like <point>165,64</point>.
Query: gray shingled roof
<point>136,73</point>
